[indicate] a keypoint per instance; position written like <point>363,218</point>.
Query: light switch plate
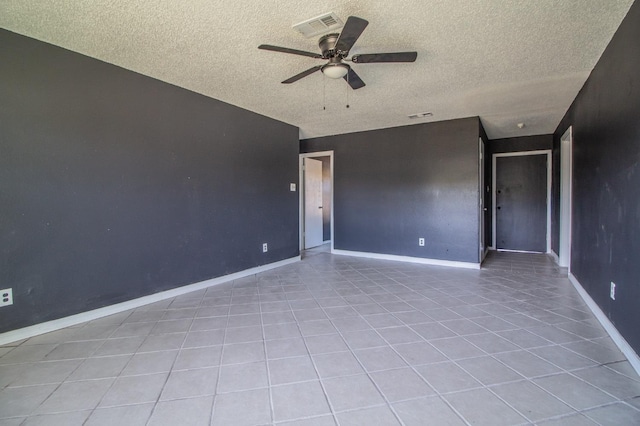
<point>612,293</point>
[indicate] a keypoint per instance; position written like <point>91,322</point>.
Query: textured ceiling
<point>507,61</point>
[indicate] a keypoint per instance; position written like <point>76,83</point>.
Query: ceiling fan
<point>335,48</point>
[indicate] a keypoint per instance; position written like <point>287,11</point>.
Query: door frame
<point>546,152</point>
<point>301,193</point>
<point>482,152</point>
<point>566,183</point>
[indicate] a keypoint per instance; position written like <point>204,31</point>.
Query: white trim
<point>301,193</point>
<point>522,153</point>
<point>549,195</point>
<point>518,251</point>
<point>493,203</point>
<point>611,329</point>
<point>424,261</point>
<point>484,255</point>
<point>555,257</point>
<point>48,326</point>
<point>546,152</point>
<point>566,172</point>
<point>331,226</point>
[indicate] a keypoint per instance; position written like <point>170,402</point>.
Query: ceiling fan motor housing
<point>335,68</point>
<point>327,46</point>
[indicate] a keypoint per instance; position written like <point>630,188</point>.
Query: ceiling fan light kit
<point>335,48</point>
<point>335,70</point>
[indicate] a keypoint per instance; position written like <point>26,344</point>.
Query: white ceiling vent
<point>319,25</point>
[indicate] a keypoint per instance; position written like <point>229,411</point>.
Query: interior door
<point>482,199</point>
<point>312,203</point>
<point>521,203</point>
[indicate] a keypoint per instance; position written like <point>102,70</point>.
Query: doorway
<point>316,199</point>
<point>521,201</point>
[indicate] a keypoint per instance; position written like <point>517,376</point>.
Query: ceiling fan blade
<point>302,75</point>
<point>385,57</point>
<point>354,79</point>
<point>287,50</point>
<point>350,33</point>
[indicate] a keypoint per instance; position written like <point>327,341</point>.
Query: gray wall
<point>114,185</point>
<point>395,185</point>
<point>606,179</point>
<point>522,143</point>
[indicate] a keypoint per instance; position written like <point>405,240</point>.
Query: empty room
<point>319,213</point>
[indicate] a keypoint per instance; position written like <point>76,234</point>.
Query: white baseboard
<point>611,329</point>
<point>520,251</point>
<point>48,326</point>
<point>555,257</point>
<point>436,262</point>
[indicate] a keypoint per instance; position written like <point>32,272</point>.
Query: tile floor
<point>335,340</point>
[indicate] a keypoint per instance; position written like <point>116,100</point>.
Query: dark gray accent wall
<point>114,185</point>
<point>393,186</point>
<point>522,143</point>
<point>606,179</point>
<point>518,144</point>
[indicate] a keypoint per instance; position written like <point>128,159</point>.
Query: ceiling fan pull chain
<point>324,92</point>
<point>347,89</point>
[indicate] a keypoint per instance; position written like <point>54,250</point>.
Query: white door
<point>312,203</point>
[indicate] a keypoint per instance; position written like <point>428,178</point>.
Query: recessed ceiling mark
<point>421,115</point>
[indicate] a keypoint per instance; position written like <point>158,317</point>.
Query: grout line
<point>266,362</point>
<point>374,279</point>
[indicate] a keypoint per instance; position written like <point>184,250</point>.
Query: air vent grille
<point>319,25</point>
<point>329,20</point>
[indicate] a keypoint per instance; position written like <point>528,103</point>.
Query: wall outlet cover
<point>6,297</point>
<point>265,248</point>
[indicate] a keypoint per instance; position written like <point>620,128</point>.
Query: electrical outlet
<point>612,293</point>
<point>6,297</point>
<point>292,187</point>
<point>421,242</point>
<point>265,248</point>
